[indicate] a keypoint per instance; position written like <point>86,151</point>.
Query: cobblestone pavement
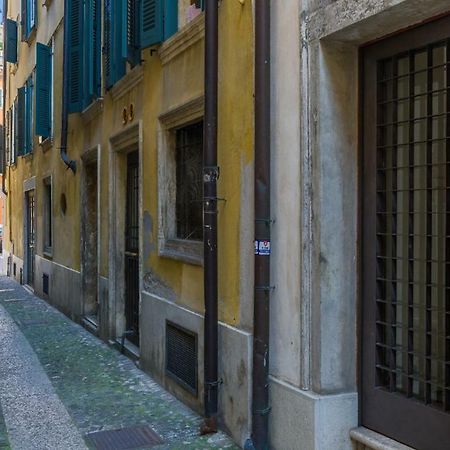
<point>78,385</point>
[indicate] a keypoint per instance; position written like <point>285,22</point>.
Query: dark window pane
<point>189,155</point>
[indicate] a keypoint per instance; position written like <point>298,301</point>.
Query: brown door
<point>406,237</point>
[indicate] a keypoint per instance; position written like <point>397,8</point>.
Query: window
<point>406,228</point>
<point>189,196</point>
<point>180,182</point>
<point>29,18</point>
<point>131,26</point>
<point>47,214</point>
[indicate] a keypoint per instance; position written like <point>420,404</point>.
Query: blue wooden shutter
<point>28,139</point>
<point>133,32</point>
<point>75,55</point>
<point>24,20</point>
<point>43,90</point>
<point>152,30</point>
<point>97,47</point>
<point>170,18</point>
<point>11,41</point>
<point>20,124</point>
<point>107,42</point>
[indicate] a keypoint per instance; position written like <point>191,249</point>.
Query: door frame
<point>89,157</point>
<point>28,185</point>
<point>120,144</point>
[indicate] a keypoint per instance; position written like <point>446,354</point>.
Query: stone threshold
<point>372,440</point>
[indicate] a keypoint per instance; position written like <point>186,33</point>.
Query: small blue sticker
<point>262,248</point>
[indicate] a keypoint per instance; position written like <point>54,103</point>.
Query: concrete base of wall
<point>64,287</point>
<point>235,356</point>
<point>302,420</point>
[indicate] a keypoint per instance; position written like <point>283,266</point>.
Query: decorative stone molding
<point>169,246</point>
<point>193,32</point>
<point>125,138</point>
<point>93,110</point>
<point>128,82</point>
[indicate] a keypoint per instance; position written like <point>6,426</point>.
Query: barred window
<point>407,248</point>
<point>189,154</point>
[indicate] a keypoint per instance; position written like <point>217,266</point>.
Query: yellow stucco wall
<point>161,88</point>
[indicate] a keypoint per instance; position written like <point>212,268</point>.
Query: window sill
<point>127,82</point>
<point>370,440</point>
<point>93,110</point>
<point>31,36</point>
<point>28,156</point>
<point>187,36</point>
<point>48,253</point>
<point>190,252</point>
<point>46,144</point>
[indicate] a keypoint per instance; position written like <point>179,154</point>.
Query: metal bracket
<point>263,412</point>
<point>211,384</point>
<point>211,174</point>
<point>265,288</point>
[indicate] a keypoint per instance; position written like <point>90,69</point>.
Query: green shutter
<point>24,20</point>
<point>151,22</point>
<point>133,32</point>
<point>20,116</point>
<point>11,41</point>
<point>170,18</point>
<point>75,21</point>
<point>43,90</point>
<point>97,47</point>
<point>28,139</point>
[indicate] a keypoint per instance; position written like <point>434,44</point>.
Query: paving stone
<point>100,388</point>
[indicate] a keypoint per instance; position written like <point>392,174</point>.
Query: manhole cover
<point>125,439</point>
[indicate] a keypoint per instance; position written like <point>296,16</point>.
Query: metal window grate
<point>189,208</point>
<point>413,225</point>
<point>181,356</point>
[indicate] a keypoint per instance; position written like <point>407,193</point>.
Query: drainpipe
<point>260,417</point>
<point>5,15</point>
<point>210,176</point>
<point>71,164</point>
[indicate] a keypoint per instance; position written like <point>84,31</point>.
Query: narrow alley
<point>62,388</point>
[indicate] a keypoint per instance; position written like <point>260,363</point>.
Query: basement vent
<point>45,283</point>
<point>181,356</point>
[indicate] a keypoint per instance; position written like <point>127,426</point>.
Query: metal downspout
<point>262,289</point>
<point>71,164</point>
<point>210,176</point>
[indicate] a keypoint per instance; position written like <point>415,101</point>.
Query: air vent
<point>181,356</point>
<point>45,279</point>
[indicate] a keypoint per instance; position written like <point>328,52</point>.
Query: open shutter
<point>43,90</point>
<point>75,55</point>
<point>170,18</point>
<point>151,22</point>
<point>20,124</point>
<point>97,48</point>
<point>11,41</point>
<point>24,20</point>
<point>107,42</point>
<point>133,32</point>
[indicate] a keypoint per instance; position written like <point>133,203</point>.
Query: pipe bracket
<point>263,412</point>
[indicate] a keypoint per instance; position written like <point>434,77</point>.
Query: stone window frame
<point>169,246</point>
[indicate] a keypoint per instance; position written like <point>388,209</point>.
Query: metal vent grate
<point>181,356</point>
<point>124,439</point>
<point>45,279</point>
